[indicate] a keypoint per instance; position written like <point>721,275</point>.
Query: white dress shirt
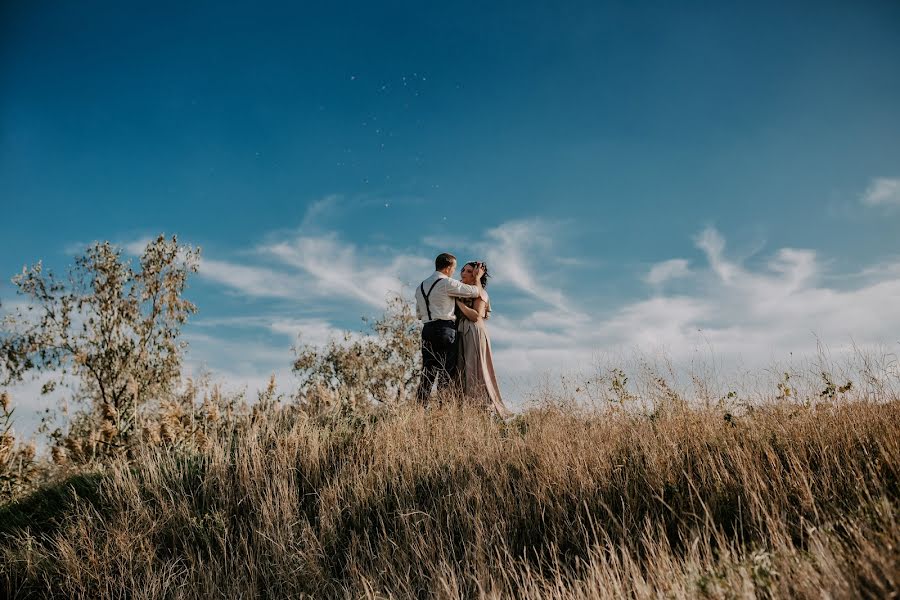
<point>442,298</point>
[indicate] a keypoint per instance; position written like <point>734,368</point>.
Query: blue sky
<point>641,175</point>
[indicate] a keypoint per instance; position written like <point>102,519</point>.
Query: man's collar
<point>441,275</point>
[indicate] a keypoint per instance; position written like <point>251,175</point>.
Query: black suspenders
<point>424,295</point>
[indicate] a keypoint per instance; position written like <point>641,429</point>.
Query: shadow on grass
<point>42,511</point>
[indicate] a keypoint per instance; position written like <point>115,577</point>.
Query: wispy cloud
<point>713,244</point>
<point>310,263</point>
<point>237,364</point>
<point>315,332</point>
<point>667,270</point>
<point>331,267</point>
<point>12,307</point>
<point>302,265</point>
<point>882,192</point>
<point>252,280</point>
<point>515,251</point>
<point>743,315</point>
<point>320,209</point>
<point>318,267</point>
<point>31,406</point>
<point>309,330</point>
<point>137,247</point>
<point>324,273</point>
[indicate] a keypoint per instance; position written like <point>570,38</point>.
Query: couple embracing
<point>456,347</point>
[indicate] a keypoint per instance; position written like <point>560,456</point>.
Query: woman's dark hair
<point>485,277</point>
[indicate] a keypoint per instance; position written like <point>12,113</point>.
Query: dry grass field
<point>159,486</point>
<point>785,500</point>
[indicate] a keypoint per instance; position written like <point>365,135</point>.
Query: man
<point>436,306</point>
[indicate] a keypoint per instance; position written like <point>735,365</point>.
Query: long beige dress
<point>476,364</point>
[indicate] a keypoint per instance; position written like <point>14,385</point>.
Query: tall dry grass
<point>790,500</point>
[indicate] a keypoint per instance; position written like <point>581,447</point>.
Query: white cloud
<point>571,261</point>
<point>12,307</point>
<point>319,209</point>
<point>311,264</point>
<point>330,267</point>
<point>318,267</point>
<point>137,247</point>
<point>515,250</point>
<point>315,331</point>
<point>667,270</point>
<point>30,405</point>
<point>742,316</point>
<point>204,347</point>
<point>882,192</point>
<point>711,242</point>
<point>74,248</point>
<point>323,271</point>
<point>252,280</point>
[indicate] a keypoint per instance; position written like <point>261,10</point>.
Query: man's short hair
<point>443,261</point>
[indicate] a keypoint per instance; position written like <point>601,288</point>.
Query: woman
<point>476,364</point>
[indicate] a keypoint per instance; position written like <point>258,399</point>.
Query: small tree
<point>112,329</point>
<point>382,366</point>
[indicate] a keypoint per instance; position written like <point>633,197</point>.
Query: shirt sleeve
<point>458,289</point>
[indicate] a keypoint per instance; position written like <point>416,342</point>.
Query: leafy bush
<point>380,367</point>
<point>108,329</point>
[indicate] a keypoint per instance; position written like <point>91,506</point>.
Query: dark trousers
<point>438,357</point>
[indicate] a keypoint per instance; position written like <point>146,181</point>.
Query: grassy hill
<point>784,500</point>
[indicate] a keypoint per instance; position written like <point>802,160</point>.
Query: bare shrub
<point>110,331</point>
<point>382,366</point>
